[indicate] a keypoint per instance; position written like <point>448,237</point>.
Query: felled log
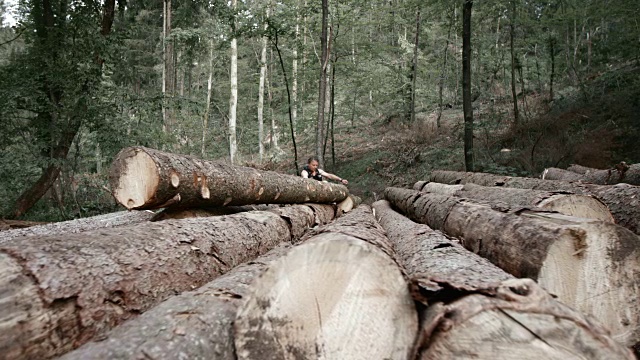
<point>591,265</point>
<point>60,291</point>
<point>116,219</point>
<point>143,178</point>
<point>560,174</point>
<point>623,200</point>
<point>621,173</point>
<point>337,296</point>
<point>472,304</point>
<point>193,325</point>
<point>579,169</point>
<point>565,203</point>
<point>18,224</point>
<point>179,213</point>
<point>348,204</point>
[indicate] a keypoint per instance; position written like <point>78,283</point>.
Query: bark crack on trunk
<point>525,327</point>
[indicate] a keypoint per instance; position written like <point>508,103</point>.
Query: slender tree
<point>322,87</point>
<point>233,99</point>
<point>263,73</point>
<point>466,85</point>
<point>414,68</point>
<point>514,64</point>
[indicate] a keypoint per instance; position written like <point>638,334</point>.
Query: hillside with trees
<point>383,92</point>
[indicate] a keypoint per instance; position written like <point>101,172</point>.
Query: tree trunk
<point>233,99</point>
<point>623,200</point>
<point>143,178</point>
<point>621,173</point>
<point>205,119</point>
<point>452,280</point>
<point>553,66</point>
<point>443,72</point>
<point>341,287</point>
<point>516,114</point>
<point>64,290</point>
<point>168,77</point>
<point>263,73</point>
<point>414,69</point>
<point>168,214</point>
<point>590,265</point>
<point>323,82</point>
<point>294,72</point>
<point>195,325</point>
<point>466,85</point>
<point>80,225</point>
<point>582,206</point>
<point>560,174</point>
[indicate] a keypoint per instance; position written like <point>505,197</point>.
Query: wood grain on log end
<point>137,178</point>
<point>522,322</point>
<point>334,297</point>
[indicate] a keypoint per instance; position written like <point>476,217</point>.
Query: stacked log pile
<point>250,264</point>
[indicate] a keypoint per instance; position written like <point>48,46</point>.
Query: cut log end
<point>175,179</point>
<point>581,206</point>
<point>584,264</point>
<point>138,180</point>
<point>335,297</point>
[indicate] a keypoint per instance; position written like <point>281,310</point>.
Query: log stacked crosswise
<point>143,178</point>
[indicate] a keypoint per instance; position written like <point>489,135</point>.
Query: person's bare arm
<point>304,174</point>
<point>333,177</point>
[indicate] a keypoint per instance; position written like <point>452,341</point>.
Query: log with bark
<point>116,219</point>
<point>623,200</point>
<point>193,325</point>
<point>60,291</point>
<point>591,265</point>
<point>565,203</point>
<point>340,295</point>
<point>143,178</point>
<point>560,174</point>
<point>621,173</point>
<point>579,169</point>
<point>179,213</point>
<point>472,304</point>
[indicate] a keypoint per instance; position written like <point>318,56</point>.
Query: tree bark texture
<point>454,281</point>
<point>623,200</point>
<point>193,325</point>
<point>583,206</point>
<point>590,265</point>
<point>322,85</point>
<point>340,295</point>
<point>579,169</point>
<point>560,174</point>
<point>111,220</point>
<point>233,78</point>
<point>143,178</point>
<point>61,291</point>
<point>621,173</point>
<point>167,214</point>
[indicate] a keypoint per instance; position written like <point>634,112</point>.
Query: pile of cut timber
<point>227,271</point>
<point>621,173</point>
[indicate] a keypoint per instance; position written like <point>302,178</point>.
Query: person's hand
<point>344,181</point>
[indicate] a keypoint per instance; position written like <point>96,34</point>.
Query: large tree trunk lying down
<point>583,206</point>
<point>560,174</point>
<point>116,219</point>
<point>193,325</point>
<point>58,292</point>
<point>579,169</point>
<point>337,296</point>
<point>143,178</point>
<point>621,173</point>
<point>473,303</point>
<point>592,266</point>
<point>179,213</point>
<point>18,224</point>
<point>623,200</point>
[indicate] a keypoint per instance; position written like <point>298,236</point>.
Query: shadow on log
<point>59,292</point>
<point>592,266</point>
<point>337,296</point>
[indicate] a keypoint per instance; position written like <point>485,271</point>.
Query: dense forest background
<point>373,87</point>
